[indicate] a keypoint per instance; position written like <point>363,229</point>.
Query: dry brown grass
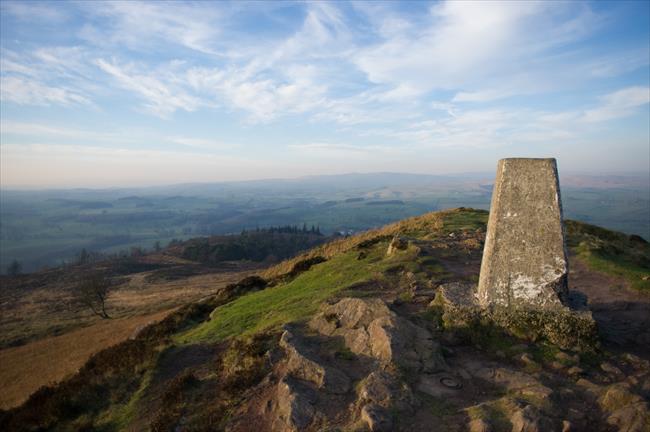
<point>46,311</point>
<point>61,337</point>
<point>28,367</point>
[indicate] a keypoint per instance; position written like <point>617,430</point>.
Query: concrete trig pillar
<point>524,260</point>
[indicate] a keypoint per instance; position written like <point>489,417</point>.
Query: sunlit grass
<point>287,302</point>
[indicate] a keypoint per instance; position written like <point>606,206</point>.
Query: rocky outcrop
<point>295,406</point>
<point>301,366</point>
<point>384,389</point>
<point>529,419</point>
<point>562,326</point>
<point>625,410</point>
<point>369,328</point>
<point>377,418</point>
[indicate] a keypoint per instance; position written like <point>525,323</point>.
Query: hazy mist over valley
<point>46,228</point>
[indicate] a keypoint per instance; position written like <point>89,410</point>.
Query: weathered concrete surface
<point>524,260</point>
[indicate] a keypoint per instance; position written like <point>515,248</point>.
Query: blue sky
<point>126,93</point>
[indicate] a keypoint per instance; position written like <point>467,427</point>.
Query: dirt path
<point>623,315</point>
<point>26,368</point>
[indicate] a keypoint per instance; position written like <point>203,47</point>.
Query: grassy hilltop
<point>210,364</point>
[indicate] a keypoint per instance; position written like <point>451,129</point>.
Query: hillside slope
<point>345,337</point>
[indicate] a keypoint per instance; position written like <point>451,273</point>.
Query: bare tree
<point>15,268</point>
<point>92,292</point>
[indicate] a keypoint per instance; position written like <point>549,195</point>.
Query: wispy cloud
<point>146,25</point>
<point>28,92</point>
<point>161,97</point>
<point>621,103</point>
<point>34,11</point>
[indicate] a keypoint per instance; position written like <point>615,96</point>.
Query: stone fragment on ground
<point>529,419</point>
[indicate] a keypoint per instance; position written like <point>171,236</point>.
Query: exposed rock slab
<point>369,328</point>
<point>295,406</point>
<point>300,365</point>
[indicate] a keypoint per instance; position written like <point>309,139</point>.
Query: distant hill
<point>45,228</point>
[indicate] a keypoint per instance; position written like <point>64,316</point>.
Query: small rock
<point>566,426</point>
<point>557,365</point>
<point>527,359</point>
<point>376,418</point>
<point>612,370</point>
<point>618,396</point>
<point>637,362</point>
<point>526,420</point>
<point>575,415</point>
<point>590,387</point>
<point>575,371</point>
<point>479,425</point>
<point>564,358</point>
<point>631,418</point>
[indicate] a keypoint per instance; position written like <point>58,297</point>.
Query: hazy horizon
<point>113,94</point>
<point>565,177</point>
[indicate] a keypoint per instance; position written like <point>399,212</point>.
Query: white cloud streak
<point>621,103</point>
<point>28,92</point>
<point>161,98</point>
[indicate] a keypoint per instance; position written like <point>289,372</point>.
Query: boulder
<point>529,419</point>
<point>369,328</point>
<point>300,365</point>
<point>295,406</point>
<point>377,418</point>
<point>386,390</point>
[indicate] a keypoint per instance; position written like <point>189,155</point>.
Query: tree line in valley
<point>261,244</point>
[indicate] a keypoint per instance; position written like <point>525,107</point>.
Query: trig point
<point>524,260</point>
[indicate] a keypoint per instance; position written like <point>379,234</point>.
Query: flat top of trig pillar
<point>522,159</point>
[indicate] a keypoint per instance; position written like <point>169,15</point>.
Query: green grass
<point>465,219</point>
<point>611,252</point>
<point>288,302</point>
